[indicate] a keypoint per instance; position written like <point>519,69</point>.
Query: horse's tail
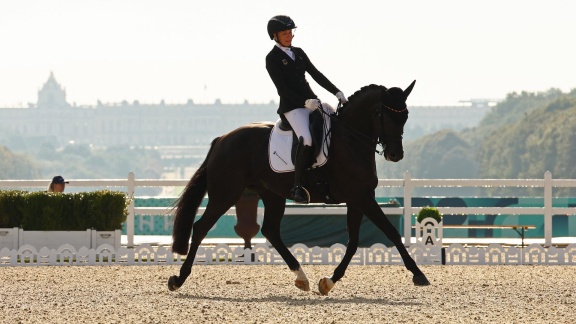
<point>187,206</point>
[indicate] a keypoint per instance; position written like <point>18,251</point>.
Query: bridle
<point>380,140</point>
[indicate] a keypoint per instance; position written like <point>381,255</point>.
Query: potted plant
<point>429,212</point>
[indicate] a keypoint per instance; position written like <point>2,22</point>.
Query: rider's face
<point>285,37</point>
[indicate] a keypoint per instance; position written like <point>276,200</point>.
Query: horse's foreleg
<point>353,221</point>
<point>199,232</point>
<point>274,207</point>
<point>375,214</point>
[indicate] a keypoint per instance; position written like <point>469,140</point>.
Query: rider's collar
<point>287,50</point>
<point>284,48</point>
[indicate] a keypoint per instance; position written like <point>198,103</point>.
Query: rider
<point>286,65</point>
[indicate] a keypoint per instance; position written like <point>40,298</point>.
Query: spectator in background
<point>57,185</point>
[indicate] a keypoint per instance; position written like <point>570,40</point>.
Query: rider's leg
<point>299,193</point>
<point>299,121</point>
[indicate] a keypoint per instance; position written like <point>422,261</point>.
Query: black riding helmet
<point>278,24</point>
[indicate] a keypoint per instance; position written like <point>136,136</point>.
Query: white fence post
<point>407,209</point>
<point>130,220</point>
<point>548,208</point>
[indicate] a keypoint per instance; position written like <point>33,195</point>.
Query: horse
<point>374,115</point>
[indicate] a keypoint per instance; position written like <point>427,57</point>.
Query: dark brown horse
<point>238,160</point>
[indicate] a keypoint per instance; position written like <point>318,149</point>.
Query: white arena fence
<point>408,184</point>
<point>146,254</point>
<point>378,254</point>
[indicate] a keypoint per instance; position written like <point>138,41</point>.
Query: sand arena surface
<point>266,294</point>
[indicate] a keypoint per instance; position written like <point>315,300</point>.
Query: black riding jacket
<point>290,81</point>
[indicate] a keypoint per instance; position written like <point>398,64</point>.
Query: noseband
<point>383,140</point>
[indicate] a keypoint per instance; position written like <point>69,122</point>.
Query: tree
<point>544,140</point>
<point>523,136</point>
<point>444,154</point>
<point>16,166</point>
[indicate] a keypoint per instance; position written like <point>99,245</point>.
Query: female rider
<point>286,65</point>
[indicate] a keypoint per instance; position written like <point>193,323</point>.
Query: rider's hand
<point>312,104</point>
<point>341,97</point>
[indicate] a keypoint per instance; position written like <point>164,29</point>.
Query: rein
<point>363,138</point>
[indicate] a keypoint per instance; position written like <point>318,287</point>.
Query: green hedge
<point>102,210</point>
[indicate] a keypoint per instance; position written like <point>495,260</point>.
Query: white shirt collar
<point>287,50</point>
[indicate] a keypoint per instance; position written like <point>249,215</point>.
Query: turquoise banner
<point>562,225</point>
<point>325,230</point>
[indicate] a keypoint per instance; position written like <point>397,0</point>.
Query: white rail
<point>409,184</point>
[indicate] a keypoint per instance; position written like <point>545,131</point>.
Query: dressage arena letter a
<point>429,232</point>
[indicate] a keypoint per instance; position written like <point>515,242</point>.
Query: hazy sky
<point>115,50</point>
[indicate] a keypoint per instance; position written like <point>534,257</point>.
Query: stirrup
<point>300,199</point>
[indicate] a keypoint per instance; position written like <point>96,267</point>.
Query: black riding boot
<point>299,194</point>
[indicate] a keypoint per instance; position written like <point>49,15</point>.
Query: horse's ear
<point>409,89</point>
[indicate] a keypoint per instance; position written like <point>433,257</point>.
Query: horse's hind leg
<point>353,221</point>
<point>375,214</point>
<point>213,212</point>
<point>274,207</point>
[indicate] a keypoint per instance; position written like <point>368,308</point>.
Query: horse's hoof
<point>325,285</point>
<point>420,280</point>
<point>302,284</point>
<point>172,286</point>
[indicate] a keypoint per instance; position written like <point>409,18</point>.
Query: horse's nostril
<point>394,157</point>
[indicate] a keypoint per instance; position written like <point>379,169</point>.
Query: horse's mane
<point>398,117</point>
<point>360,92</point>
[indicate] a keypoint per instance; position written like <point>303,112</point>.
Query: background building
<point>53,120</point>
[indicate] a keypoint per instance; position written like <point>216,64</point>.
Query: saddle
<point>283,141</point>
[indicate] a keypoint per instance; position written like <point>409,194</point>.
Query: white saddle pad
<point>280,146</point>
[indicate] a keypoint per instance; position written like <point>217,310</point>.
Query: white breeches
<point>298,119</point>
